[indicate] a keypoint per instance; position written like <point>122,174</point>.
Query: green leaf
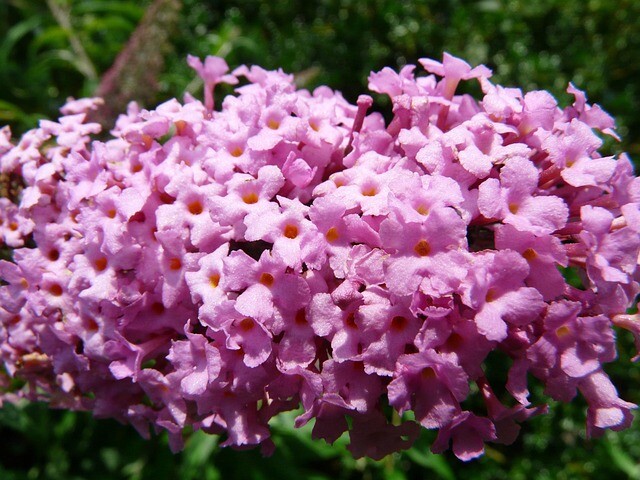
<point>13,417</point>
<point>10,112</point>
<point>14,35</point>
<point>437,463</point>
<point>131,10</point>
<point>572,276</point>
<point>620,458</point>
<point>111,24</point>
<point>50,37</point>
<point>199,449</point>
<point>394,474</point>
<point>110,457</point>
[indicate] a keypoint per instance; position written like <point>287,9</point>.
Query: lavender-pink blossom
<point>207,269</point>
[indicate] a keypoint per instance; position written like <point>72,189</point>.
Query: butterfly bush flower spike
<point>208,269</point>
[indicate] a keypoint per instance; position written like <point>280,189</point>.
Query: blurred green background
<point>52,49</point>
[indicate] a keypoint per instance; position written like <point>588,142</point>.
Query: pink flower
<point>268,291</point>
<point>13,228</point>
<point>295,239</point>
<point>512,199</point>
<point>206,285</point>
<point>340,324</point>
<point>373,436</point>
<point>575,345</point>
<point>71,131</point>
<point>297,347</point>
<point>543,253</point>
<point>428,371</point>
<point>467,432</point>
<point>592,115</point>
<point>505,419</point>
<point>452,69</point>
<point>389,329</point>
<point>575,151</point>
<point>613,254</point>
<point>248,336</point>
<point>246,194</point>
<point>208,270</point>
<point>212,71</point>
<point>416,247</point>
<point>391,83</point>
<point>495,290</point>
<point>606,410</point>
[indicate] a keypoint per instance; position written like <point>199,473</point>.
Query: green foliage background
<point>530,44</point>
<point>53,49</point>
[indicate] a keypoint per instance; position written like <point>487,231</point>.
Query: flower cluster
<point>210,268</point>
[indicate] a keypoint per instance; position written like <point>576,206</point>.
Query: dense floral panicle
<point>207,269</point>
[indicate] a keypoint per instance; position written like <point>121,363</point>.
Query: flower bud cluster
<point>207,269</point>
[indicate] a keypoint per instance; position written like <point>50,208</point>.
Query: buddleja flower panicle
<point>209,269</point>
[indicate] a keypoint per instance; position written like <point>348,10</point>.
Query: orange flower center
<point>422,248</point>
<point>291,231</point>
<point>332,234</point>
<point>55,290</point>
<point>101,264</point>
<point>195,207</point>
<point>246,324</point>
<point>491,295</point>
<point>399,323</point>
<point>369,191</point>
<point>428,373</point>
<point>250,198</point>
<point>266,279</point>
<point>236,151</point>
<point>422,210</point>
